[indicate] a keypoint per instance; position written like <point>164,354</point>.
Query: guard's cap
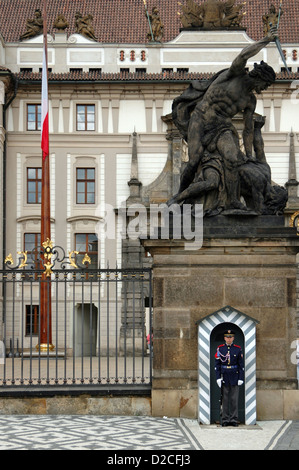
<point>229,333</point>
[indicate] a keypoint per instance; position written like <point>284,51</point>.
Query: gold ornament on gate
<point>48,246</point>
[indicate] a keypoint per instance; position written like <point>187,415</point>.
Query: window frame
<point>38,181</point>
<point>85,182</point>
<point>91,254</point>
<point>36,245</point>
<point>37,117</point>
<point>85,114</point>
<point>32,310</point>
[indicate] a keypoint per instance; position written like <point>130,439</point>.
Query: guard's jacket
<point>229,364</point>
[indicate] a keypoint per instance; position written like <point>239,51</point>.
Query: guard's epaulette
<point>220,345</point>
<point>237,346</point>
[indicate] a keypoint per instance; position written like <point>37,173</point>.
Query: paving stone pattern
<point>127,433</point>
<point>92,433</point>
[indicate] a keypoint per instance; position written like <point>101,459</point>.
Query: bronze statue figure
<point>232,14</point>
<point>212,14</point>
<point>192,15</point>
<point>272,17</point>
<point>61,23</point>
<point>157,27</point>
<point>34,26</point>
<point>84,26</point>
<point>203,114</point>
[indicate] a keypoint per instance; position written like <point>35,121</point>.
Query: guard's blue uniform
<point>229,364</point>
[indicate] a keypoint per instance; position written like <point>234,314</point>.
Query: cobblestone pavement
<point>115,433</point>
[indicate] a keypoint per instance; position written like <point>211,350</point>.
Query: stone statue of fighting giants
<point>218,170</point>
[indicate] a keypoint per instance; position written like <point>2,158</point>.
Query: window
<point>32,320</point>
<point>95,70</point>
<point>33,117</point>
<point>85,117</point>
<point>85,185</point>
<point>41,70</point>
<point>87,243</point>
<point>34,185</point>
<point>32,245</point>
<point>140,70</point>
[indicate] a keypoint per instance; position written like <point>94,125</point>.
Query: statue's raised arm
<point>239,63</point>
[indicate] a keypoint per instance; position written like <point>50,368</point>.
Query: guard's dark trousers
<point>230,399</point>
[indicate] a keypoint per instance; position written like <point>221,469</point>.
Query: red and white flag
<point>45,106</point>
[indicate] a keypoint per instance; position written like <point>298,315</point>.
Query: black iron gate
<point>74,326</point>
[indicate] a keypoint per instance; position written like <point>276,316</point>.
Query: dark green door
<point>215,340</point>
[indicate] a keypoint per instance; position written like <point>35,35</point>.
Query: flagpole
<point>45,292</point>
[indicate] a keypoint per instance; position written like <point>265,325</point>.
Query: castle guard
<point>229,368</point>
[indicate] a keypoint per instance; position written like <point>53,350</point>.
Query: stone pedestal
<point>247,263</point>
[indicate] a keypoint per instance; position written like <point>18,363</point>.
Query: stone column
<point>177,154</point>
<point>132,331</point>
<point>292,183</point>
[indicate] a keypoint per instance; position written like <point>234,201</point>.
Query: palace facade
<point>112,81</point>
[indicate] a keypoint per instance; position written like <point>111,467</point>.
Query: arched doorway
<point>206,326</point>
